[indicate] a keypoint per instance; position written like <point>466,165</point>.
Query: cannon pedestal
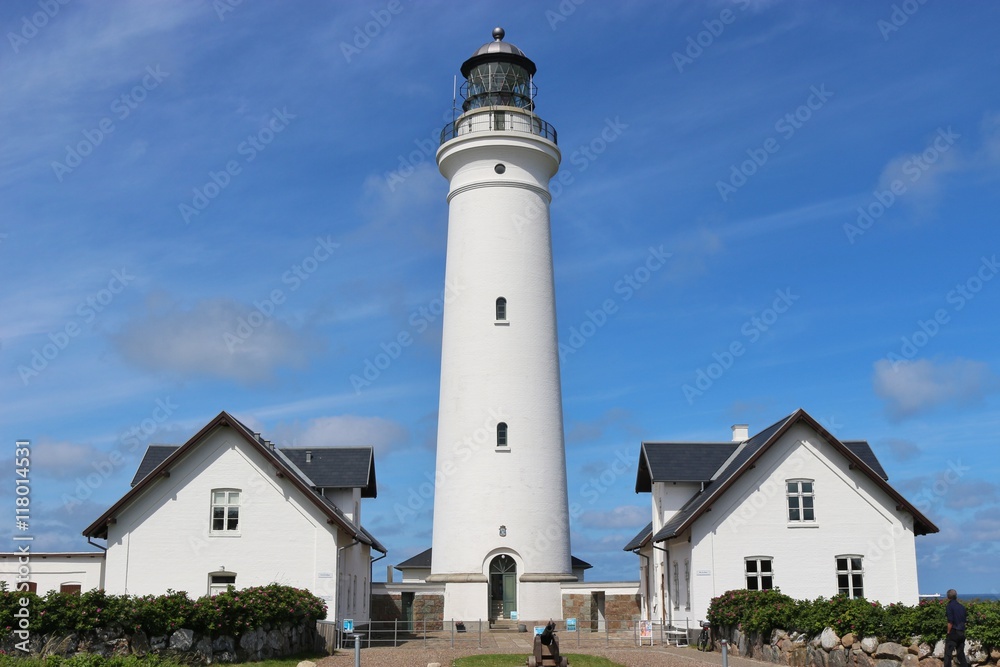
<point>547,655</point>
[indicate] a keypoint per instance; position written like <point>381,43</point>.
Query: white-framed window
<point>219,582</point>
<point>759,572</point>
<point>677,587</point>
<point>225,511</point>
<point>851,576</point>
<point>502,434</point>
<point>501,309</point>
<point>801,494</point>
<point>687,581</point>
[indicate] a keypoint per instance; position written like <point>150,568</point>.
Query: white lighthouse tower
<point>501,516</point>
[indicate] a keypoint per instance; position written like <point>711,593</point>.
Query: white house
<point>792,508</point>
<point>230,508</point>
<point>66,572</point>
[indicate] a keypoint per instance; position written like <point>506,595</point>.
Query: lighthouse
<point>501,543</point>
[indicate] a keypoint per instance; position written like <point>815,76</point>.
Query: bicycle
<point>705,638</point>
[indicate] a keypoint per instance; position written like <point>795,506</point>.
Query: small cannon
<point>546,649</point>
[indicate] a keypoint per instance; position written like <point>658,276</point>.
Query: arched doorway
<point>503,586</point>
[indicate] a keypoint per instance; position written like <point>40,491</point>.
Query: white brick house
<point>792,508</point>
<point>230,508</point>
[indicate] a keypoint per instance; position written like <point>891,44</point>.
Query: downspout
<point>371,573</point>
<point>336,603</point>
<point>91,543</point>
<point>664,618</point>
<point>649,611</point>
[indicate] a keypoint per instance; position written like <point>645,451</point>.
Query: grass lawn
<point>512,660</point>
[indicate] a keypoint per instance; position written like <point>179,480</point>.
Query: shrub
<point>233,612</point>
<point>763,611</point>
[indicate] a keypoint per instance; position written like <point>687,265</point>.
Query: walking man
<point>955,640</point>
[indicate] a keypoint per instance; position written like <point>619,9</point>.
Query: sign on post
<point>570,625</point>
<point>348,625</point>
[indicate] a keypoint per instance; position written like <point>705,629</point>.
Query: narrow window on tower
<point>502,434</point>
<point>501,309</point>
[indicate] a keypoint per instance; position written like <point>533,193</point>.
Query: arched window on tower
<point>501,309</point>
<point>502,434</point>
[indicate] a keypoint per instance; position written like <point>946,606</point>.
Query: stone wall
<point>829,650</point>
<point>622,611</point>
<point>428,610</point>
<point>183,645</point>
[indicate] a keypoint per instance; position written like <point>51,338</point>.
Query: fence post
<point>357,650</point>
<point>425,631</point>
<point>480,633</point>
<point>453,633</point>
<point>725,653</point>
<point>395,632</point>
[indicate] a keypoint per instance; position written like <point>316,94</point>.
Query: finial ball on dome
<point>498,33</point>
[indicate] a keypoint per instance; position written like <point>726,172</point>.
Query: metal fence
<point>479,634</point>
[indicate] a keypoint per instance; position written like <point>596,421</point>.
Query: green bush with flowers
<point>231,613</point>
<point>760,612</point>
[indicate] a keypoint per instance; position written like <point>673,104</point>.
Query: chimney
<point>388,574</point>
<point>741,432</point>
<point>309,456</point>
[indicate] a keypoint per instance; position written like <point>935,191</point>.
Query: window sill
<point>501,323</point>
<point>502,449</point>
<point>803,525</point>
<point>221,533</point>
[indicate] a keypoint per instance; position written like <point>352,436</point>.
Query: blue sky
<point>233,206</point>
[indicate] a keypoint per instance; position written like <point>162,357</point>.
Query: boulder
<point>847,640</point>
<point>911,660</point>
<point>995,655</point>
<point>838,658</point>
<point>61,646</point>
<point>890,650</point>
<point>829,639</point>
<point>158,643</point>
<point>931,662</point>
<point>886,662</point>
<point>203,649</point>
<point>861,659</point>
<point>776,636</point>
<point>923,650</point>
<point>139,644</point>
<point>914,648</point>
<point>306,663</point>
<point>939,649</point>
<point>869,644</point>
<point>182,639</point>
<point>974,652</point>
<point>224,643</point>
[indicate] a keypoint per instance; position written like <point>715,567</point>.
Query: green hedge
<point>763,611</point>
<point>230,613</point>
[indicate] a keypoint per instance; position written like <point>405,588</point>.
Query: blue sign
<point>348,625</point>
<point>570,625</point>
<point>539,629</point>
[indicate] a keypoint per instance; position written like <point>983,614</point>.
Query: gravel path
<point>630,657</point>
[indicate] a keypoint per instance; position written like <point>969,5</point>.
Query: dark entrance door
<point>407,620</point>
<point>503,587</point>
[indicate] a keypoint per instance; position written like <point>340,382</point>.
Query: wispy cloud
<point>909,388</point>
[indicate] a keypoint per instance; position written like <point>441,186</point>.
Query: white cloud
<point>345,431</point>
<point>217,338</point>
<point>915,386</point>
<point>62,459</point>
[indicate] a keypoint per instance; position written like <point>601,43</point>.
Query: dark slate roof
<point>155,455</point>
<point>159,458</point>
<point>680,462</point>
<point>337,467</point>
<point>641,538</point>
<point>755,446</point>
<point>863,451</point>
<point>423,560</point>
